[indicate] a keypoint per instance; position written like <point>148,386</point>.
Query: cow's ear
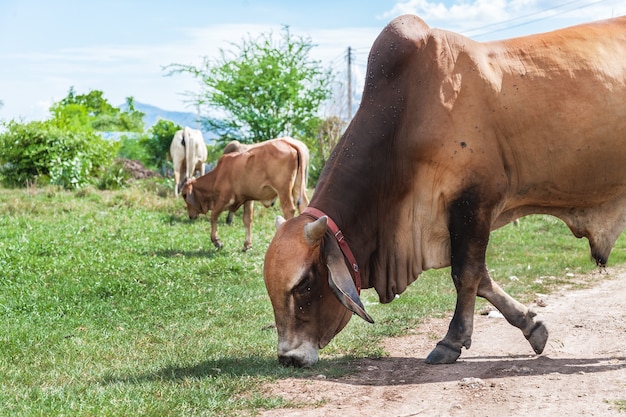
<point>191,199</point>
<point>314,231</point>
<point>280,220</point>
<point>341,282</point>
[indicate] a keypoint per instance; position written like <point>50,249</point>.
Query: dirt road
<point>582,371</point>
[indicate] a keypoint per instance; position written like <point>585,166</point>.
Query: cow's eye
<point>304,285</point>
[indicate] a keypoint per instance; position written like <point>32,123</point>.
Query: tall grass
<point>115,303</point>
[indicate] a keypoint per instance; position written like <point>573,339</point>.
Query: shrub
<point>132,147</point>
<point>114,177</point>
<point>30,152</point>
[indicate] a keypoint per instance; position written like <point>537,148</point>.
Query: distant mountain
<point>152,114</point>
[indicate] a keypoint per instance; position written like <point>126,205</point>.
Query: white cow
<point>189,154</point>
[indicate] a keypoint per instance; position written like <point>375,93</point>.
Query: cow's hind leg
<point>287,204</point>
<point>248,213</point>
<point>176,181</point>
<point>177,175</point>
<point>515,313</point>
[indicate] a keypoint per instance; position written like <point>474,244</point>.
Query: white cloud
<point>328,43</point>
<point>121,70</point>
<point>491,19</point>
<point>133,68</point>
<point>459,14</point>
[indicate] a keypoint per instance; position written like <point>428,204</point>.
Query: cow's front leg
<point>515,313</point>
<point>461,326</point>
<point>248,212</point>
<point>214,237</point>
<point>469,226</point>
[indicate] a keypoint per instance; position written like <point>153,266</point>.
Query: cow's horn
<point>280,220</point>
<point>341,283</point>
<point>314,231</point>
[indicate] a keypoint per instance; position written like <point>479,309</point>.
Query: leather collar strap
<point>343,245</point>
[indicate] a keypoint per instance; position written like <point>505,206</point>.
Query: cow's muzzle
<point>303,357</point>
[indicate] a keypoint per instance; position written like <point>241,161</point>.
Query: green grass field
<point>114,303</point>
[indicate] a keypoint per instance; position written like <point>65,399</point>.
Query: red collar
<point>343,245</point>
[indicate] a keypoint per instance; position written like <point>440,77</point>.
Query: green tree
<point>329,133</point>
<point>93,111</point>
<point>151,149</point>
<point>133,147</point>
<point>158,142</point>
<point>265,88</point>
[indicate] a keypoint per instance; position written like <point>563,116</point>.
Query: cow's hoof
<point>442,354</point>
<point>246,247</point>
<point>538,337</point>
<point>217,243</point>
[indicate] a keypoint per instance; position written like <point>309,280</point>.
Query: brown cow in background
<point>236,146</point>
<point>273,169</point>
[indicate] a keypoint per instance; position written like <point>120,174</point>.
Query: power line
<point>467,32</point>
<point>338,57</point>
<point>527,22</point>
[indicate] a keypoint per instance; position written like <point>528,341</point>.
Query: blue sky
<point>121,47</point>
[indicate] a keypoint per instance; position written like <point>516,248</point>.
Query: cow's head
<point>310,287</point>
<point>195,204</point>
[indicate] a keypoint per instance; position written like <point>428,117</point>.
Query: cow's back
<point>546,111</point>
<point>559,115</point>
<point>538,120</point>
<point>257,173</point>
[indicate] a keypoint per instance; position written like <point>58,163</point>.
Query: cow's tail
<point>182,137</point>
<point>302,175</point>
<point>188,144</point>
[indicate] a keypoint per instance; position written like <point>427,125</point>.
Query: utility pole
<point>349,83</point>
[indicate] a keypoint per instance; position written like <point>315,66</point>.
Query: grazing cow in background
<point>236,146</point>
<point>266,171</point>
<point>188,152</point>
<point>453,139</point>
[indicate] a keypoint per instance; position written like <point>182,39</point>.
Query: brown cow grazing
<point>453,139</point>
<point>236,146</point>
<point>266,171</point>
